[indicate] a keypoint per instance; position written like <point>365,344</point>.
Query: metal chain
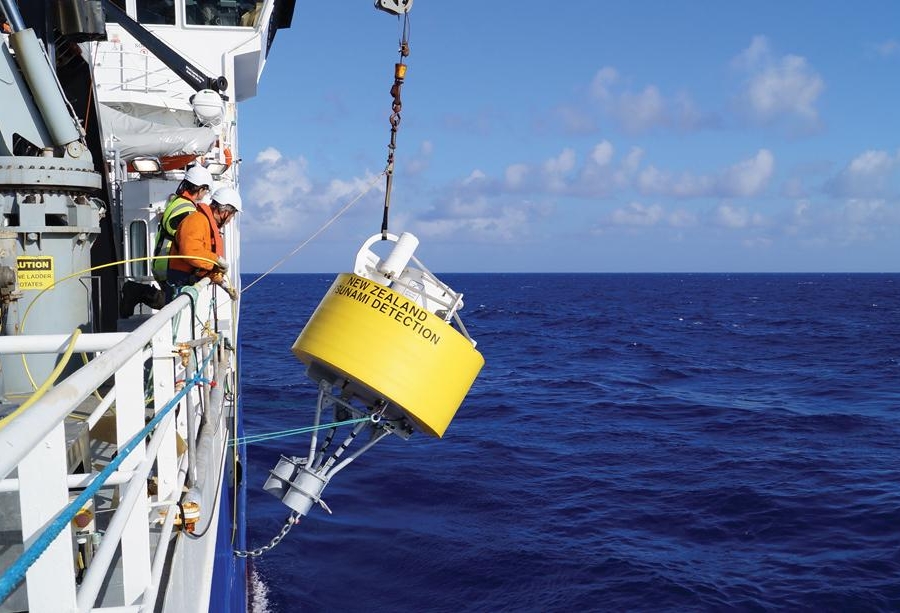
<point>396,106</point>
<point>292,520</point>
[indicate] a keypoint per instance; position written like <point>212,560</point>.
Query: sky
<point>582,136</point>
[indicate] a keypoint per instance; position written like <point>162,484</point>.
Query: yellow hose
<point>85,271</point>
<point>46,385</point>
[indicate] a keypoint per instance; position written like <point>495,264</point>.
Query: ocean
<point>635,442</point>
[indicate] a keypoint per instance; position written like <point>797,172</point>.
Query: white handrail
<point>20,435</point>
<point>57,343</point>
<point>76,480</point>
<point>151,594</point>
<point>130,528</point>
<point>93,579</point>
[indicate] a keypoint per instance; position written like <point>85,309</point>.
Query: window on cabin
<point>222,12</point>
<point>138,239</point>
<point>156,11</point>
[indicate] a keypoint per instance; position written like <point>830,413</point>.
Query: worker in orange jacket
<point>196,184</point>
<point>199,238</point>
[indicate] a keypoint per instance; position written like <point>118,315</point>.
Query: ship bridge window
<point>221,12</point>
<point>156,11</point>
<point>118,3</point>
<point>138,239</point>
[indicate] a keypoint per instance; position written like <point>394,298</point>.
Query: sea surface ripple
<point>670,442</point>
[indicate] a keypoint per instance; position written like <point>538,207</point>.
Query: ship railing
<point>99,482</point>
<point>117,68</point>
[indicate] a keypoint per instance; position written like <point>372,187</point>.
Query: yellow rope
<point>83,272</point>
<point>46,385</point>
<point>85,360</point>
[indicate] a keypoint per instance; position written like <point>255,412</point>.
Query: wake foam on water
<point>259,594</point>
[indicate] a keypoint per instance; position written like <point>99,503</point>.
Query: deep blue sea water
<point>635,442</point>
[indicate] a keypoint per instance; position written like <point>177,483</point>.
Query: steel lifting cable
<point>324,227</point>
<point>396,107</point>
<point>265,436</point>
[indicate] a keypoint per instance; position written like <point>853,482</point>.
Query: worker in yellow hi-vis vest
<point>195,185</point>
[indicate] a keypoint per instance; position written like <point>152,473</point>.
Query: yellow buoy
<point>392,349</point>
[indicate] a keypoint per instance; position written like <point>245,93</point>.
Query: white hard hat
<point>199,175</point>
<point>228,195</point>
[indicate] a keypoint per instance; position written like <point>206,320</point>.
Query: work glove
<point>222,264</point>
<point>217,278</point>
<point>232,293</point>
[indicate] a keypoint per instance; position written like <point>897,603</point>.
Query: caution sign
<point>34,272</point>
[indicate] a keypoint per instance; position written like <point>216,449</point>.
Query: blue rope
<point>16,572</point>
<point>256,438</point>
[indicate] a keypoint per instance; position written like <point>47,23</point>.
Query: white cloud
<point>778,87</point>
<point>844,222</point>
<point>637,214</point>
<point>339,192</point>
<point>477,219</point>
<point>875,213</point>
<point>634,111</point>
<point>681,218</point>
<point>793,188</point>
<point>749,177</point>
<point>732,217</point>
<point>268,155</point>
<point>555,170</point>
<point>561,164</point>
<point>746,178</point>
<point>654,181</point>
<point>280,197</point>
<point>687,115</point>
<point>862,220</point>
<point>603,80</point>
<point>868,174</point>
<point>575,121</point>
<point>600,175</point>
<point>642,111</point>
<point>277,179</point>
<point>633,160</point>
<point>637,110</point>
<point>871,163</point>
<point>602,153</point>
<point>474,177</point>
<point>515,175</point>
<point>755,54</point>
<point>787,88</point>
<point>421,159</point>
<point>801,212</point>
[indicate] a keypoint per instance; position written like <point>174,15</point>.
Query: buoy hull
<point>393,348</point>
